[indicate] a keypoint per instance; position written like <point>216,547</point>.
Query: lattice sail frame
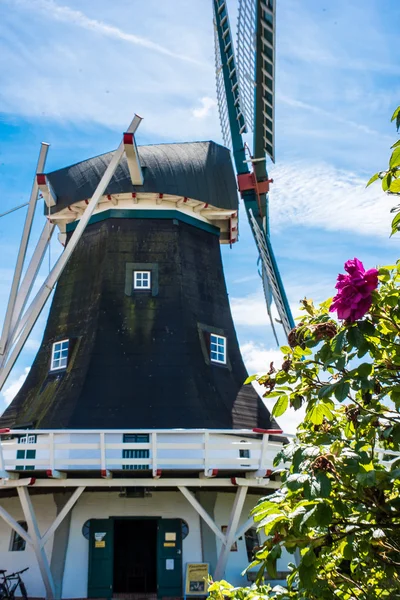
<point>256,71</point>
<point>221,96</point>
<point>246,57</point>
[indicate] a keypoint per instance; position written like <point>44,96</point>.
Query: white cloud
<point>207,105</point>
<point>13,388</point>
<point>251,310</point>
<point>323,196</point>
<point>64,13</point>
<point>258,358</point>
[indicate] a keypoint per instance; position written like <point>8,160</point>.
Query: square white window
<point>59,355</point>
<point>218,348</point>
<point>142,280</point>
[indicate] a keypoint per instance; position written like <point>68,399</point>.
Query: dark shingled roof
<point>199,170</point>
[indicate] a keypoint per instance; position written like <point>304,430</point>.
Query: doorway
<point>135,556</point>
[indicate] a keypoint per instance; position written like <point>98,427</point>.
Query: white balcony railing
<point>54,452</point>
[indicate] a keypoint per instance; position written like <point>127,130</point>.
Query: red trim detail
<point>158,472</point>
<point>86,201</point>
<point>128,139</point>
<point>41,179</point>
<point>268,472</point>
<point>49,473</point>
<point>161,196</point>
<point>185,199</point>
<point>32,481</point>
<point>109,197</point>
<point>104,472</point>
<point>133,194</point>
<point>233,481</point>
<point>205,206</point>
<point>5,431</point>
<point>273,431</point>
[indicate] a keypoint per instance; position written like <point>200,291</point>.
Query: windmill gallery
<point>134,452</point>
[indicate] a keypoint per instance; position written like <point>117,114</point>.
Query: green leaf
<point>338,342</point>
<point>364,369</point>
<point>396,117</point>
<point>325,484</point>
<point>395,185</point>
<point>395,158</point>
<point>341,390</point>
<point>250,379</point>
<point>386,181</point>
<point>308,557</point>
<point>326,391</point>
<point>323,514</point>
<point>280,406</point>
<point>373,178</point>
<point>285,349</point>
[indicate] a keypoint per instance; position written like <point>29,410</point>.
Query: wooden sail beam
<point>32,313</point>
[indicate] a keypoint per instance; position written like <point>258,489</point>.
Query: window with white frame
<point>142,280</point>
<point>59,355</point>
<point>17,543</point>
<point>26,454</point>
<point>218,348</point>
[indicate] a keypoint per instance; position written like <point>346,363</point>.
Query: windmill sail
<point>253,106</point>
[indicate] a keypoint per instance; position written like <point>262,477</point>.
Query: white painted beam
<point>15,525</point>
<point>47,191</point>
<point>230,534</point>
<point>61,516</point>
<point>30,317</point>
<point>132,157</point>
<point>32,271</point>
<point>242,530</point>
<point>203,513</point>
<point>163,482</point>
<point>38,549</point>
<point>22,248</point>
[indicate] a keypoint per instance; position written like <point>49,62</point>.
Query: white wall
<point>101,505</point>
<point>45,510</point>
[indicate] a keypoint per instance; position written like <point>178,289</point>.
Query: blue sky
<point>73,72</point>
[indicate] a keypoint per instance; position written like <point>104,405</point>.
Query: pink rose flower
<point>354,297</point>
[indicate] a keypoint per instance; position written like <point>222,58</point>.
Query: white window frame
<point>53,351</point>
<point>135,280</point>
<point>217,338</point>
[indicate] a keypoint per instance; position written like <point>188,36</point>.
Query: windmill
<point>135,401</point>
<point>246,101</point>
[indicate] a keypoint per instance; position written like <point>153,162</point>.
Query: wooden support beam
<point>35,542</point>
<point>32,313</point>
<point>242,530</point>
<point>61,515</point>
<point>22,249</point>
<point>203,514</point>
<point>230,534</point>
<point>15,525</point>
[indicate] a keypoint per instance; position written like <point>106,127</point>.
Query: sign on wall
<point>196,579</point>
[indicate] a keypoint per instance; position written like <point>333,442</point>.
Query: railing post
<point>156,471</point>
<point>51,452</point>
<point>206,453</point>
<point>103,465</point>
<point>264,446</point>
<point>3,473</point>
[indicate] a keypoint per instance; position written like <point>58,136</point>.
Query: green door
<point>169,558</point>
<point>101,558</point>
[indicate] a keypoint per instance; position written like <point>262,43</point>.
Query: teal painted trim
<point>147,214</point>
